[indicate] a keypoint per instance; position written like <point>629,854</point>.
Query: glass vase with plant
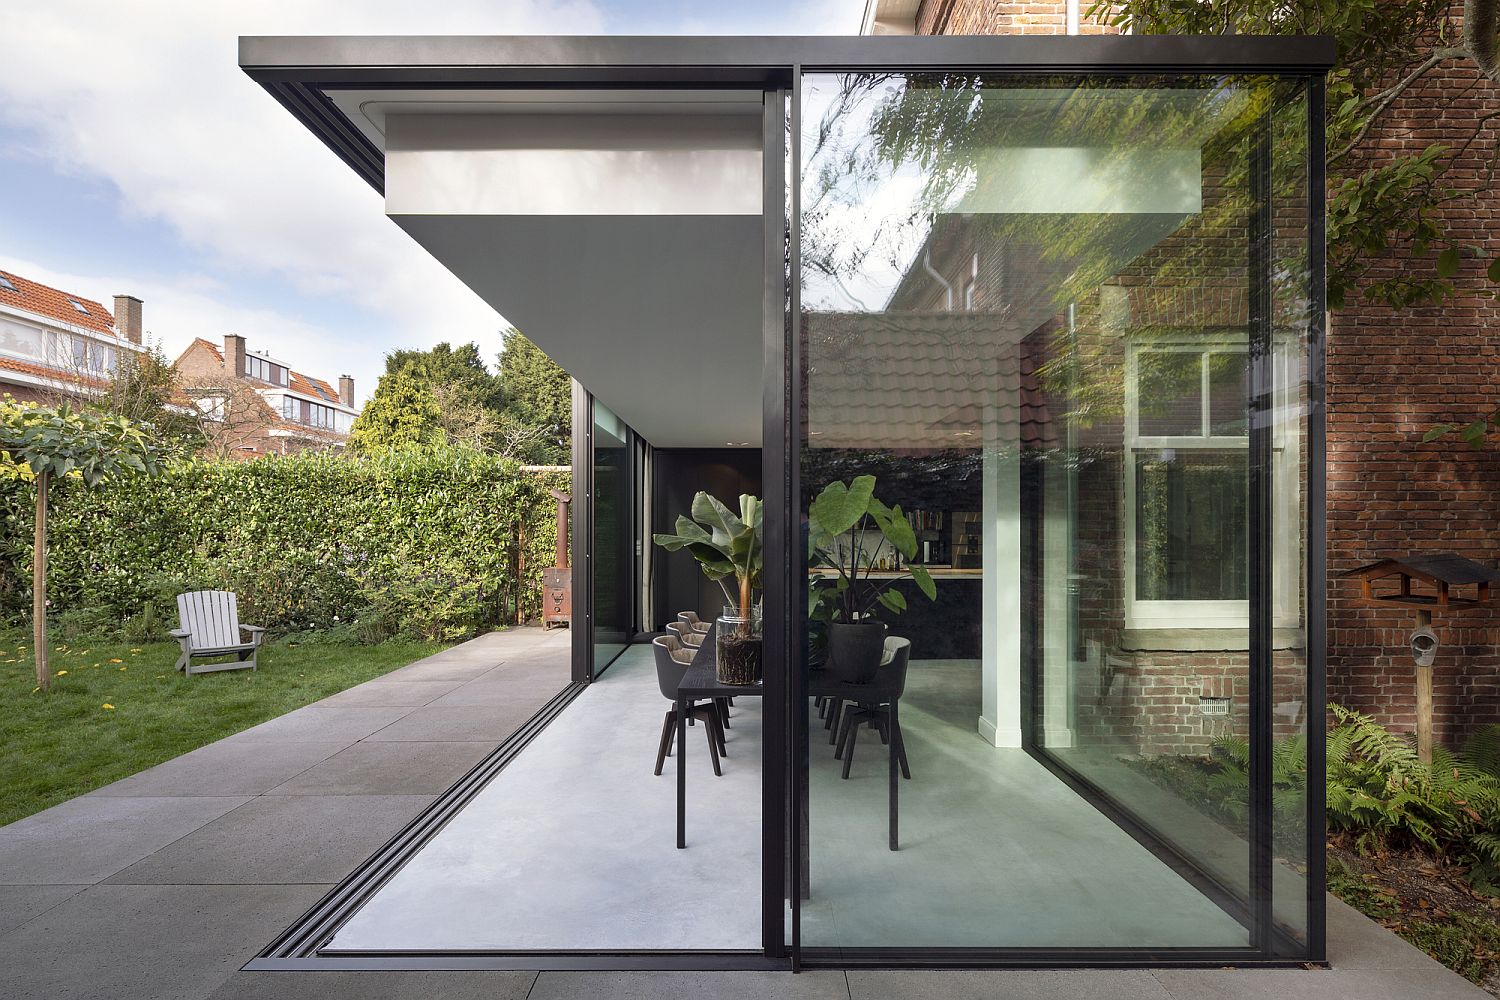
<point>849,533</point>
<point>728,546</point>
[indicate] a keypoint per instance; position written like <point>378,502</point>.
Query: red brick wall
<point>1391,376</point>
<point>1002,17</point>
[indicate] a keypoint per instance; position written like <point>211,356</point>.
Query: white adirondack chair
<point>210,621</point>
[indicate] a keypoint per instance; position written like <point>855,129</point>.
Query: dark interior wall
<point>677,474</point>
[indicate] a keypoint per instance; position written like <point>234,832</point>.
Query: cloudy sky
<point>136,158</point>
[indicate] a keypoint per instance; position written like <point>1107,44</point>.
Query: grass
<point>118,708</point>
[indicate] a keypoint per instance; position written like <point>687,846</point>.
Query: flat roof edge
<point>442,58</point>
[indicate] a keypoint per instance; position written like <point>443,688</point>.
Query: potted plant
<point>855,639</point>
<point>728,545</point>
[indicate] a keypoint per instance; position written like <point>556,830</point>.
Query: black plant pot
<point>854,650</point>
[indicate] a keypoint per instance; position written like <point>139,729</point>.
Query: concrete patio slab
<point>1020,984</point>
<point>377,986</point>
<point>393,693</point>
<point>20,903</point>
<point>460,723</point>
<point>169,942</point>
<point>228,767</point>
<point>1320,984</point>
<point>277,839</point>
<point>88,839</point>
<point>818,985</point>
<point>370,768</point>
<point>323,723</point>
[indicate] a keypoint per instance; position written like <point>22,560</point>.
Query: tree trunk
<point>39,585</point>
<point>1482,35</point>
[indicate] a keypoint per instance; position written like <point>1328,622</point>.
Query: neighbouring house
<point>256,405</point>
<point>58,345</point>
<point>1063,298</point>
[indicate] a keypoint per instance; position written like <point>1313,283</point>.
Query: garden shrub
<point>418,544</point>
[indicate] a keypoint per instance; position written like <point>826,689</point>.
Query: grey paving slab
<point>819,985</point>
<point>322,723</point>
<point>278,839</point>
<point>20,903</point>
<point>145,942</point>
<point>1357,942</point>
<point>88,839</point>
<point>370,768</point>
<point>1007,984</point>
<point>376,986</point>
<point>1316,984</point>
<point>457,723</point>
<point>397,693</point>
<point>229,767</point>
<point>533,691</point>
<point>442,670</point>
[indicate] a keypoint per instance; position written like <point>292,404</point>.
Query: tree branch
<point>1387,97</point>
<point>1482,35</point>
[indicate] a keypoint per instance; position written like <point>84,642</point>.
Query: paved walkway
<point>163,885</point>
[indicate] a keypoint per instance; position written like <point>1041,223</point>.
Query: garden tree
<point>1381,201</point>
<point>228,414</point>
<point>142,389</point>
<point>537,412</point>
<point>45,442</point>
<point>401,414</point>
<point>467,393</point>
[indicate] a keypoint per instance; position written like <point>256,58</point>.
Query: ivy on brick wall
<point>438,544</point>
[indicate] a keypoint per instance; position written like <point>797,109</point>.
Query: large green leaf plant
<point>727,545</point>
<point>852,508</point>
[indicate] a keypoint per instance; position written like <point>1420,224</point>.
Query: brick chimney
<point>346,391</point>
<point>234,354</point>
<point>128,318</point>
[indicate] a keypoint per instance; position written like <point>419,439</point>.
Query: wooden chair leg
<point>668,731</point>
<point>851,718</point>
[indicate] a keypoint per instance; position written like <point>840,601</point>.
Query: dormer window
<point>265,370</point>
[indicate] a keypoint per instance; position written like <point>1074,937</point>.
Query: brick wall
<point>1001,17</point>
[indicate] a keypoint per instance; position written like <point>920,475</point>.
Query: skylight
<point>6,284</point>
<point>79,306</point>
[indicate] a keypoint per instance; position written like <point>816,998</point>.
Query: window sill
<point>1203,640</point>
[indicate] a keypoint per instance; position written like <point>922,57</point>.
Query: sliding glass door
<point>1052,352</point>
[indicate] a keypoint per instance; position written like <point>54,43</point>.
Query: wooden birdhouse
<point>1430,583</point>
<point>1426,583</point>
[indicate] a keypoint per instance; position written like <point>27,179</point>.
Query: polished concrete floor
<point>994,850</point>
<point>571,846</point>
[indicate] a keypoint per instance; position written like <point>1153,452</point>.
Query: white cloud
<point>148,95</point>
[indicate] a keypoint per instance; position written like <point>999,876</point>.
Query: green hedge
<point>419,544</point>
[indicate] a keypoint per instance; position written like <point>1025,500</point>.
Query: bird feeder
<point>1425,583</point>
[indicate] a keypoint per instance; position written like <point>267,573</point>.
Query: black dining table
<point>699,683</point>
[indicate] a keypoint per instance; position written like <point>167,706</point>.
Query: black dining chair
<point>693,621</point>
<point>686,634</point>
<point>672,661</point>
<point>878,706</point>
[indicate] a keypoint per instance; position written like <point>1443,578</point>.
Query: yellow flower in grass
<point>122,668</point>
<point>115,659</point>
<point>135,650</point>
<point>62,673</point>
<point>107,707</point>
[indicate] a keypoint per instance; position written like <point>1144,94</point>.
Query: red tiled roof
<point>55,304</point>
<point>48,372</point>
<point>305,384</point>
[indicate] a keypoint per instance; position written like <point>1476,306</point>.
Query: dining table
<point>700,682</point>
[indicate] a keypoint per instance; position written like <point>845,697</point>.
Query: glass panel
<point>1190,525</point>
<point>1170,394</point>
<point>1013,289</point>
<point>614,537</point>
<point>1228,389</point>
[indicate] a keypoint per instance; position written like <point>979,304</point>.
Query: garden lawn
<point>117,708</point>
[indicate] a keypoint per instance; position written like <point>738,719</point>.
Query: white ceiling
<point>658,315</point>
<point>620,230</point>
